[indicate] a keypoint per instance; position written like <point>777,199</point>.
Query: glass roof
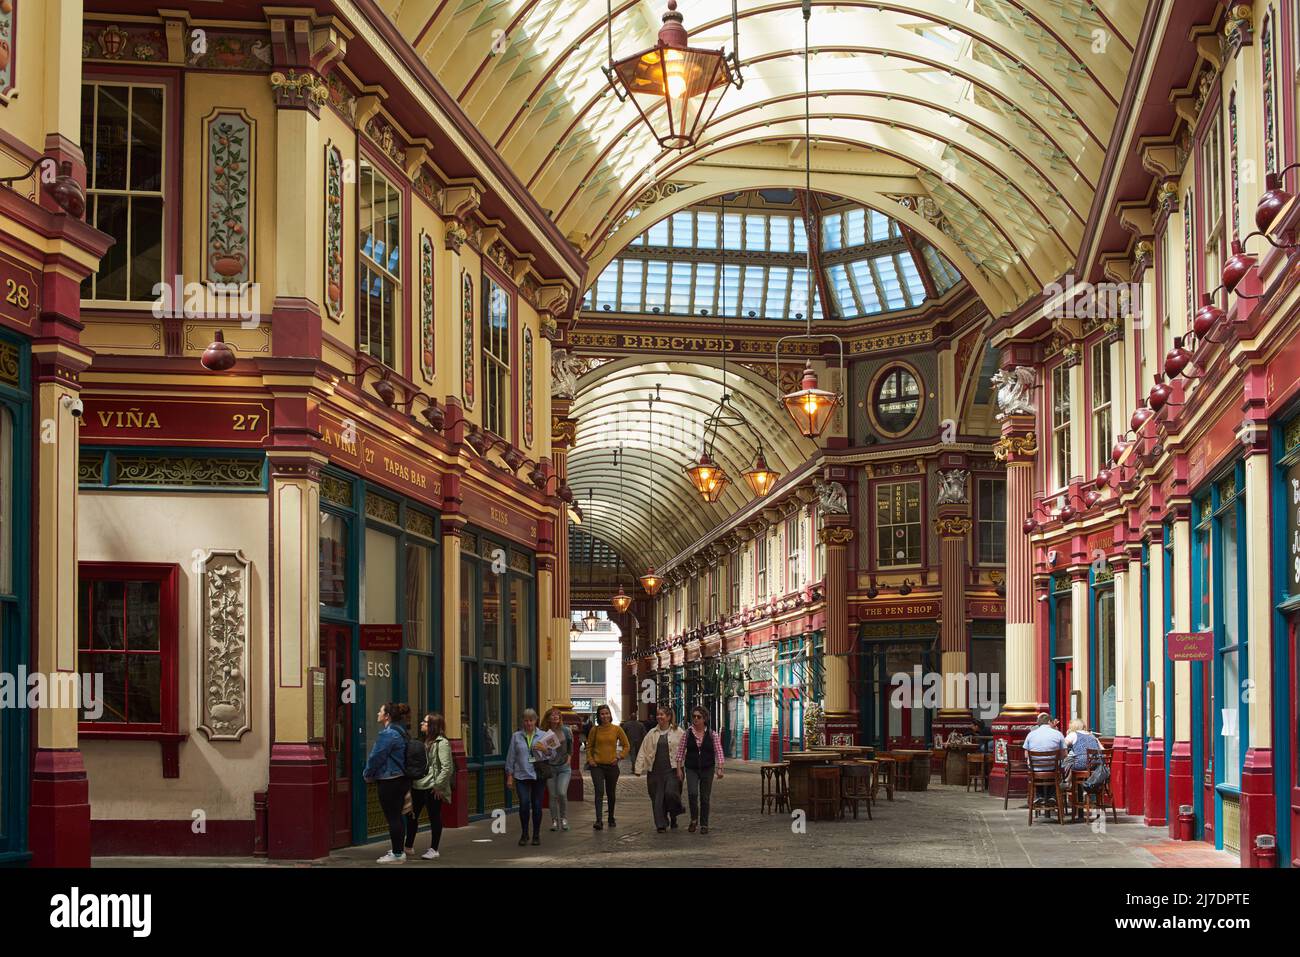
<point>743,259</point>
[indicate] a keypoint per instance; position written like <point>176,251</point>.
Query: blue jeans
<point>530,804</point>
<point>557,785</point>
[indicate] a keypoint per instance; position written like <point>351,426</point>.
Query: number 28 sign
<point>20,292</point>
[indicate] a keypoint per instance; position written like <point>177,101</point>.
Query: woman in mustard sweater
<point>602,759</point>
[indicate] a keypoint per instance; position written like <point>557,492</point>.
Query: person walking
<point>657,759</point>
<point>386,768</point>
<point>602,760</point>
<point>522,756</point>
<point>557,770</point>
<point>634,728</point>
<point>699,761</point>
<point>434,789</point>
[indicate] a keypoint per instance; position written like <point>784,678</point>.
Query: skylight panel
<point>656,285</point>
<point>911,278</point>
<point>842,290</point>
<point>753,290</point>
<point>778,284</point>
<point>729,293</point>
<point>706,288</point>
<point>706,230</point>
<point>879,227</point>
<point>800,235</point>
<point>607,286</point>
<point>779,233</point>
<point>683,233</point>
<point>831,232</point>
<point>799,294</point>
<point>867,292</point>
<point>855,221</point>
<point>679,298</point>
<point>890,287</point>
<point>731,231</point>
<point>657,235</point>
<point>630,299</point>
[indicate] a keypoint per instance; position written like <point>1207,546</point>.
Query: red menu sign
<point>381,637</point>
<point>1189,645</point>
<point>175,421</point>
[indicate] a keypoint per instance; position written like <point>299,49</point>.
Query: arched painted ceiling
<point>612,410</point>
<point>995,111</point>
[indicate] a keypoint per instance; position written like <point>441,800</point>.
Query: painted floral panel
<point>8,45</point>
<point>426,306</point>
<point>467,338</point>
<point>334,231</point>
<point>528,386</point>
<point>229,197</point>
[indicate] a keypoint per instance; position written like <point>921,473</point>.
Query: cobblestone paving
<point>942,827</point>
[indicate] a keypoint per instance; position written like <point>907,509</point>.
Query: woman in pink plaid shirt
<point>699,759</point>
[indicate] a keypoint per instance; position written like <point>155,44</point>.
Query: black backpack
<point>416,762</point>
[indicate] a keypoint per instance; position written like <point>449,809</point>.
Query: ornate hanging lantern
<point>675,87</point>
<point>622,601</point>
<point>651,583</point>
<point>705,475</point>
<point>760,478</point>
<point>810,407</point>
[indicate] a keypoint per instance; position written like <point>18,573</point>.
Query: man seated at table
<point>1044,738</point>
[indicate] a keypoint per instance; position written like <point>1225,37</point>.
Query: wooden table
<point>920,761</point>
<point>801,764</point>
<point>954,763</point>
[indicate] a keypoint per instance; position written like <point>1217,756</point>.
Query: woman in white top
<point>658,760</point>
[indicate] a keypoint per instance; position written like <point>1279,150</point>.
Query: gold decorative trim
<point>1020,446</point>
<point>10,373</point>
<point>952,527</point>
<point>336,491</point>
<point>419,523</point>
<point>383,509</point>
<point>187,471</point>
<point>835,535</point>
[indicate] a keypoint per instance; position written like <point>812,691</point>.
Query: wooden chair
<point>824,793</point>
<point>975,770</point>
<point>855,787</point>
<point>1016,765</point>
<point>1045,772</point>
<point>1099,800</point>
<point>884,775</point>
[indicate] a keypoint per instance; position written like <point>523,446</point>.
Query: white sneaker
<point>564,824</point>
<point>430,855</point>
<point>391,858</point>
<point>554,826</point>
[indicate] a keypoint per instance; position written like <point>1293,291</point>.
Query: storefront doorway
<point>894,709</point>
<point>336,659</point>
<point>15,549</point>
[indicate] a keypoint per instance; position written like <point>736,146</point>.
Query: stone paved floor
<point>942,827</point>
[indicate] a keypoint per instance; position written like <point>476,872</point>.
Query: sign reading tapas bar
<point>165,420</point>
<point>1189,645</point>
<point>350,445</point>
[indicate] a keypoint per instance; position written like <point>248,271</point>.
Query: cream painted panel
<point>126,779</point>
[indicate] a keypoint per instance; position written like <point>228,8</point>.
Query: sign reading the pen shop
<point>1189,645</point>
<point>163,420</point>
<point>381,637</point>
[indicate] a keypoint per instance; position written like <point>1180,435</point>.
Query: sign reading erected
<point>175,421</point>
<point>1189,645</point>
<point>381,637</point>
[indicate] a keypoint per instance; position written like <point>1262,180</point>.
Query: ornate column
<point>1135,691</point>
<point>835,536</point>
<point>1153,787</point>
<point>953,527</point>
<point>1123,702</point>
<point>564,431</point>
<point>1258,802</point>
<point>1180,781</point>
<point>1018,448</point>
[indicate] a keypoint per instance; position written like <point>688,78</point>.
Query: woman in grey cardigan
<point>434,789</point>
<point>560,772</point>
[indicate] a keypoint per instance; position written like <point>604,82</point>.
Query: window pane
<point>682,232</point>
<point>108,604</point>
<point>778,283</point>
<point>706,285</point>
<point>656,285</point>
<point>879,227</point>
<point>779,227</point>
<point>731,231</point>
<point>800,235</point>
<point>630,300</point>
<point>111,218</point>
<point>680,297</point>
<point>855,221</point>
<point>419,576</point>
<point>831,232</point>
<point>110,137</point>
<point>843,292</point>
<point>491,691</point>
<point>491,617</point>
<point>729,294</point>
<point>607,286</point>
<point>142,613</point>
<point>468,682</point>
<point>889,282</point>
<point>144,689</point>
<point>866,283</point>
<point>755,232</point>
<point>657,235</point>
<point>146,247</point>
<point>911,278</point>
<point>381,578</point>
<point>333,560</point>
<point>520,621</point>
<point>753,298</point>
<point>468,573</point>
<point>706,230</point>
<point>146,138</point>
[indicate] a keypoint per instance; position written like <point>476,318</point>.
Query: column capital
<point>952,526</point>
<point>839,535</point>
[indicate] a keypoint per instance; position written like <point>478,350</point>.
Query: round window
<point>897,401</point>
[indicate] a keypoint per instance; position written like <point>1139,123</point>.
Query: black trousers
<point>604,781</point>
<point>419,801</point>
<point>392,795</point>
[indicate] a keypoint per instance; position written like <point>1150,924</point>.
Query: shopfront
<point>15,644</point>
<point>1102,651</point>
<point>733,685</point>
<point>1060,646</point>
<point>381,633</point>
<point>892,664</point>
<point>798,677</point>
<point>1286,626</point>
<point>498,657</point>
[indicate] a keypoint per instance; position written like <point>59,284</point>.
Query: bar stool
<point>781,780</point>
<point>884,775</point>
<point>975,761</point>
<point>1016,764</point>
<point>855,781</point>
<point>824,796</point>
<point>902,771</point>
<point>768,796</point>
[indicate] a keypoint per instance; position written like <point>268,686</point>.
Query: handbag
<point>1098,778</point>
<point>545,770</point>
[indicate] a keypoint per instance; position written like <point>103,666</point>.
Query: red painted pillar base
<point>298,813</point>
<point>1180,782</point>
<point>456,812</point>
<point>58,826</point>
<point>1258,807</point>
<point>1153,792</point>
<point>744,744</point>
<point>841,730</point>
<point>1009,726</point>
<point>1134,778</point>
<point>1119,771</point>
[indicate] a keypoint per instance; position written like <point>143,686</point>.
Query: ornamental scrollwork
<point>952,527</point>
<point>224,668</point>
<point>835,535</point>
<point>1020,446</point>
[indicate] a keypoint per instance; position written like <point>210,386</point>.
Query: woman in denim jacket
<point>386,767</point>
<point>524,750</point>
